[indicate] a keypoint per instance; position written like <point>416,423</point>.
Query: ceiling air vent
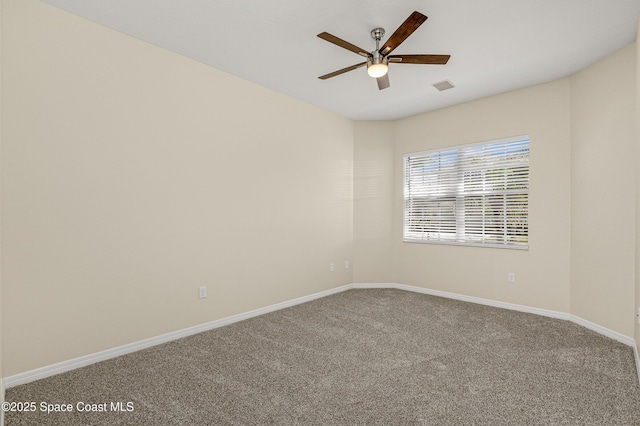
<point>444,85</point>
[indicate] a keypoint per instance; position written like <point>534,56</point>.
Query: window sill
<point>466,244</point>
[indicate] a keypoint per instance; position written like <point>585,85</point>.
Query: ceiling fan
<point>378,60</point>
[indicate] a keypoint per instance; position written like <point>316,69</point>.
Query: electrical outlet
<point>638,315</point>
<point>511,277</point>
<point>332,267</point>
<point>202,292</point>
<point>346,264</point>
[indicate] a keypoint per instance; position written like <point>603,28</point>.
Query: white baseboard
<point>372,285</point>
<point>635,352</point>
<point>629,341</point>
<point>487,302</point>
<point>470,299</point>
<point>61,367</point>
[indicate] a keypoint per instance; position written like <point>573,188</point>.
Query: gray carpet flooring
<point>361,357</point>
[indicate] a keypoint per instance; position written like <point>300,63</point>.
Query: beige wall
<point>637,165</point>
<point>542,272</point>
<point>1,280</point>
<point>603,174</point>
<point>373,201</point>
<point>132,176</point>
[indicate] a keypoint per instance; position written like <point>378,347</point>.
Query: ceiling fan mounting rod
<point>377,34</point>
<point>376,58</point>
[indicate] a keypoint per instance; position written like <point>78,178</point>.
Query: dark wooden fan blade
<point>344,44</point>
<point>383,82</point>
<point>405,30</point>
<point>342,71</point>
<point>419,59</point>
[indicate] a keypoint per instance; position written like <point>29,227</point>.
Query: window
<point>474,194</point>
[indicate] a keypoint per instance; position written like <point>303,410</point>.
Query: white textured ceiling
<point>495,45</point>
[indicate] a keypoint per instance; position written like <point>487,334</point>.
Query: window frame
<point>458,196</point>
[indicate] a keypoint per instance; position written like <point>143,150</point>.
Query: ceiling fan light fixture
<point>377,68</point>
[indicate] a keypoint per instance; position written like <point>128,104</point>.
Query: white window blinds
<point>473,194</point>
